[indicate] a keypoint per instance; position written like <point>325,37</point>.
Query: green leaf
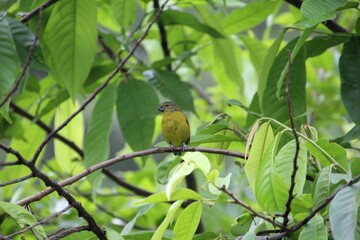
<point>200,160</point>
<point>314,229</point>
<point>337,152</point>
<point>205,236</point>
<point>99,132</point>
<point>212,138</point>
<point>136,111</point>
<point>140,211</point>
<point>315,11</point>
<point>275,107</point>
<point>344,212</point>
<point>23,218</point>
<point>350,77</point>
<point>284,165</point>
<point>271,191</point>
<point>262,141</point>
<point>179,194</point>
<point>268,62</point>
<point>70,41</point>
<point>249,16</point>
<point>9,61</point>
<point>164,168</point>
<point>257,51</point>
<point>188,221</point>
<point>173,17</point>
<point>319,45</point>
<point>224,54</point>
<point>124,12</point>
<point>170,86</point>
<point>67,158</point>
<point>165,223</point>
<point>179,173</point>
<point>323,186</point>
<point>220,182</point>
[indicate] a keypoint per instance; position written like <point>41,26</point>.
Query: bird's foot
<point>171,147</point>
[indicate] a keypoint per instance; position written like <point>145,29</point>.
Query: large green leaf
<point>317,11</point>
<point>322,187</point>
<point>136,111</point>
<point>9,61</point>
<point>70,40</point>
<point>262,141</point>
<point>124,12</point>
<point>271,191</point>
<point>344,212</point>
<point>67,158</point>
<point>171,86</point>
<point>276,107</point>
<point>334,150</point>
<point>284,165</point>
<point>188,221</point>
<point>318,45</point>
<point>99,132</point>
<point>349,65</point>
<point>178,174</point>
<point>249,16</point>
<point>314,229</point>
<point>173,17</point>
<point>165,223</point>
<point>23,218</point>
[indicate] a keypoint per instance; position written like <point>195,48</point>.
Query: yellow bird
<point>174,125</point>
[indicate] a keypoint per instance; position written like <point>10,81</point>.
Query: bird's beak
<point>161,109</point>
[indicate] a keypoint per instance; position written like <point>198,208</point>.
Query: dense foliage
<point>271,89</point>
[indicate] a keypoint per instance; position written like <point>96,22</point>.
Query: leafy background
<point>80,83</point>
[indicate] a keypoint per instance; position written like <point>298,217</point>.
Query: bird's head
<point>168,107</point>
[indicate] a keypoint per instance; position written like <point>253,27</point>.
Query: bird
<point>175,126</point>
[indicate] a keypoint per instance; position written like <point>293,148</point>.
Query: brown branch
<point>163,35</point>
<point>40,222</point>
<point>47,129</point>
<point>67,232</point>
<point>100,88</point>
<point>37,10</point>
<point>17,180</point>
<point>297,149</point>
<point>330,24</point>
<point>38,196</point>
<point>250,209</point>
<point>128,186</point>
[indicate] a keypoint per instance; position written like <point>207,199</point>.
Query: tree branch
<point>124,157</point>
<point>250,209</point>
<point>163,35</point>
<point>67,232</point>
<point>128,186</point>
<point>297,149</point>
<point>34,12</point>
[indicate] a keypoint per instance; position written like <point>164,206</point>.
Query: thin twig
<point>67,232</point>
<point>249,208</point>
<point>55,215</point>
<point>99,89</point>
<point>163,35</point>
<point>38,196</point>
<point>26,64</point>
<point>37,10</point>
<point>297,149</point>
<point>17,180</point>
<point>138,191</point>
